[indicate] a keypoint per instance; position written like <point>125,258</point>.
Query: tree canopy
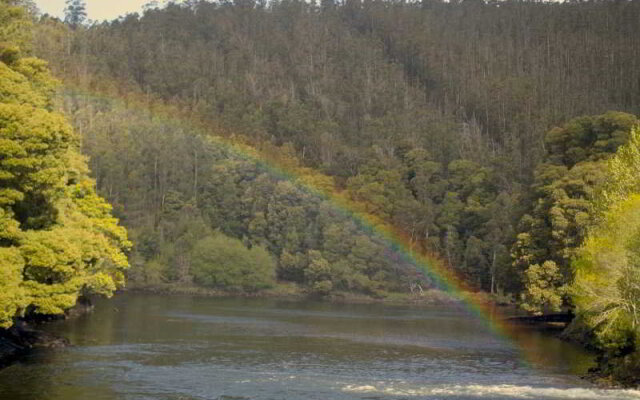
<point>564,189</point>
<point>58,239</point>
<point>606,289</point>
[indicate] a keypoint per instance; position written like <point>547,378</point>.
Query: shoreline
<point>432,297</point>
<point>24,337</point>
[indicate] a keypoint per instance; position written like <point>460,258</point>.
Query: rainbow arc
<point>430,266</point>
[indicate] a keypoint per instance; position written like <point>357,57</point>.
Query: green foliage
<point>624,170</point>
<point>432,128</point>
<point>544,290</point>
<point>13,296</point>
<point>18,88</point>
<point>75,12</point>
<point>318,274</point>
<point>606,288</point>
<point>588,138</point>
<point>292,266</point>
<point>15,31</point>
<point>424,125</point>
<point>435,130</point>
<point>607,279</point>
<point>201,185</point>
<point>58,239</point>
<point>564,187</point>
<point>223,262</point>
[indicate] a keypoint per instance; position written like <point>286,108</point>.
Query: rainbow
<point>435,269</point>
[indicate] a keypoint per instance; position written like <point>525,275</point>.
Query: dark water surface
<point>141,346</point>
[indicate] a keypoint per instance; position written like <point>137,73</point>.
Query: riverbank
<point>22,338</point>
<point>293,292</point>
<point>616,372</point>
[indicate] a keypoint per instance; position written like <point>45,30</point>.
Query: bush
<point>544,291</point>
<point>219,261</point>
<point>322,288</point>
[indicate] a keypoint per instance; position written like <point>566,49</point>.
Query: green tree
<point>563,190</point>
<point>75,13</point>
<point>223,262</point>
<point>606,288</point>
<point>58,238</point>
<point>624,169</point>
<point>544,289</point>
<point>318,274</point>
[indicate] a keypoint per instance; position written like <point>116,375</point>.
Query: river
<point>144,346</point>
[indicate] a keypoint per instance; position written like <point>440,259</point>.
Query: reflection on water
<point>140,346</point>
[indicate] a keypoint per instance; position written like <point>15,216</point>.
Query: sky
<point>96,9</point>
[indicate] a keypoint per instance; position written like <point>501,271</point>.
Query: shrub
<point>219,261</point>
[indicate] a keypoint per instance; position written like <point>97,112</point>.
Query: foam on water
<point>498,392</point>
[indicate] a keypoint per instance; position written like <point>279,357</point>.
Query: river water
<point>142,346</point>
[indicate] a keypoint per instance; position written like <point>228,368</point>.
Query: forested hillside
<point>437,116</point>
<point>58,239</point>
<point>500,137</point>
<point>178,189</point>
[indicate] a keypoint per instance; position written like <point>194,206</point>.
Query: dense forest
<point>442,129</point>
<point>177,190</point>
<point>497,136</point>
